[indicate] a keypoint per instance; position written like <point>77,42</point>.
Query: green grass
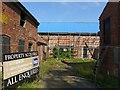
<point>46,68</point>
<point>0,80</point>
<point>108,82</point>
<point>78,60</point>
<point>49,64</point>
<point>84,67</point>
<point>37,83</point>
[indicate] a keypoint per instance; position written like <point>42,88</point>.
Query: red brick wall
<point>111,10</point>
<point>13,29</point>
<point>69,40</point>
<point>108,65</point>
<point>32,32</point>
<point>119,23</point>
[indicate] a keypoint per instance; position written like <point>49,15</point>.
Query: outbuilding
<point>110,39</point>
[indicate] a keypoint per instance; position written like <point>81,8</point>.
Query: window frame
<point>85,52</point>
<point>21,45</point>
<point>30,47</point>
<point>22,20</point>
<point>5,40</point>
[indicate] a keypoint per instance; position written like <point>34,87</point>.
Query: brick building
<point>109,39</point>
<point>19,29</point>
<point>41,47</point>
<point>72,40</point>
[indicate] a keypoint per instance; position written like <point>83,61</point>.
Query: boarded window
<point>21,46</point>
<point>5,43</point>
<point>107,31</point>
<point>22,20</point>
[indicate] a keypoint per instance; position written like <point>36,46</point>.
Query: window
<point>5,44</point>
<point>21,46</point>
<point>84,52</point>
<point>107,31</point>
<point>22,20</point>
<point>30,47</point>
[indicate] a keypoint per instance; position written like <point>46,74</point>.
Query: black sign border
<point>19,53</point>
<point>26,79</point>
<point>11,86</point>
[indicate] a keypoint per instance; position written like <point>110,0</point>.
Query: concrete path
<point>64,77</point>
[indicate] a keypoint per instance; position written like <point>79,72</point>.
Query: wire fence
<point>92,27</point>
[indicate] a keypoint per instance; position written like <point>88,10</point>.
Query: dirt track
<point>65,77</point>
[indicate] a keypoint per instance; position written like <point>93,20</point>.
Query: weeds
<point>107,82</point>
<point>45,68</point>
<point>84,67</point>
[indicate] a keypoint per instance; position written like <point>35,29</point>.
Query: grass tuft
<point>83,67</point>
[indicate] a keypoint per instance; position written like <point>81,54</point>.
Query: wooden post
<point>41,53</point>
<point>58,46</point>
<point>48,46</point>
<point>79,46</point>
<point>70,45</point>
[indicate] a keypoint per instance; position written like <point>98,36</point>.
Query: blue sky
<point>66,16</point>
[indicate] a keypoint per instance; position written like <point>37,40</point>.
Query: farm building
<point>110,39</point>
<point>82,44</point>
<point>41,47</point>
<point>19,29</point>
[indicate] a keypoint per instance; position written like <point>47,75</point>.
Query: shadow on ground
<point>65,77</point>
<point>73,64</point>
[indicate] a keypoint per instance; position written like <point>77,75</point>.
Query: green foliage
<point>48,65</point>
<point>108,82</point>
<point>0,80</point>
<point>46,68</point>
<point>84,67</point>
<point>60,53</point>
<point>55,51</point>
<point>37,83</point>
